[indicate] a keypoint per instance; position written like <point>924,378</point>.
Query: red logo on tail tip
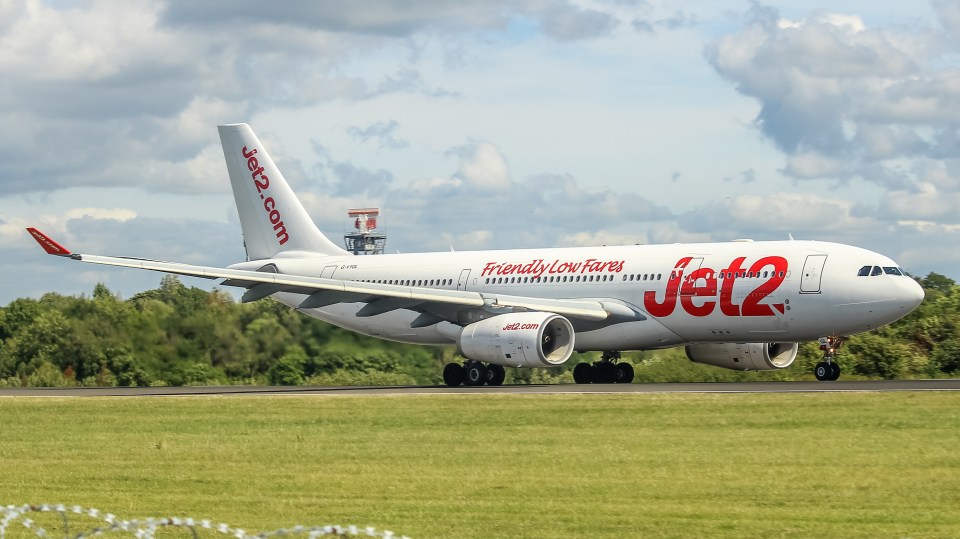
<point>50,246</point>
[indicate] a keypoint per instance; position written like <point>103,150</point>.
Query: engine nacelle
<point>531,339</point>
<point>755,356</point>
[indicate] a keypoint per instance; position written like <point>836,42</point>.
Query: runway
<point>707,387</point>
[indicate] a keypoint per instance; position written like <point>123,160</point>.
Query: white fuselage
<point>772,291</point>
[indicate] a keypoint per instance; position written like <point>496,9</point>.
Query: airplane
<point>742,305</point>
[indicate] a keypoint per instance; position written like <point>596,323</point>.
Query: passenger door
<point>812,273</point>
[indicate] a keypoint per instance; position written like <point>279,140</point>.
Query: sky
<point>477,125</point>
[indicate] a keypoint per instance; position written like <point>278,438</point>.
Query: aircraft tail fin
<point>271,216</point>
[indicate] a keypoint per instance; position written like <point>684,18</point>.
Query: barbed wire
<point>146,528</point>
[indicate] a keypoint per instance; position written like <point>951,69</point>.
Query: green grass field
<point>667,465</point>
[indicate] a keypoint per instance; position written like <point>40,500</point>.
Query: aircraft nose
<point>911,293</point>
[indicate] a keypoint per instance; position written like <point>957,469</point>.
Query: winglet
<point>50,246</point>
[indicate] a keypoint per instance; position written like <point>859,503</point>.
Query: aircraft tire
<point>605,373</point>
<point>823,371</point>
<point>583,373</point>
<point>624,373</point>
<point>834,372</point>
<point>453,374</point>
<point>474,374</point>
<point>495,375</point>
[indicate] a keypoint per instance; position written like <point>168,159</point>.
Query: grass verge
<point>651,465</point>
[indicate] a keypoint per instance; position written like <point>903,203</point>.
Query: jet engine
<point>756,356</point>
<point>529,339</point>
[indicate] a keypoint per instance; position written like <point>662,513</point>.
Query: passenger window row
<point>550,279</point>
<point>410,282</point>
<point>643,277</point>
<point>738,275</point>
<point>633,277</point>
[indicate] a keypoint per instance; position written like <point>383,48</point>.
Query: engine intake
<point>745,356</point>
<point>531,339</point>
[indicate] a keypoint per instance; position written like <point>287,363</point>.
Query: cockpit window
<point>873,271</point>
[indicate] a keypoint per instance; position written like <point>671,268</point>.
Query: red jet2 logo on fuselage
<point>702,284</point>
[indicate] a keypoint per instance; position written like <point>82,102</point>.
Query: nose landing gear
<point>828,370</point>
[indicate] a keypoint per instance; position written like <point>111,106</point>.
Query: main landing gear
<point>605,371</point>
<point>473,373</point>
<point>827,370</point>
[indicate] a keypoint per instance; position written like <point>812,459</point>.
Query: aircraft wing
<point>380,298</point>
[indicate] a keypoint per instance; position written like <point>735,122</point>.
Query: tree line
<point>180,335</point>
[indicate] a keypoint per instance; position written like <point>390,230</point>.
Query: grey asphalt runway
<point>712,387</point>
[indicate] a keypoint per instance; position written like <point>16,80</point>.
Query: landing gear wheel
<point>495,375</point>
<point>828,370</point>
<point>605,373</point>
<point>834,372</point>
<point>824,371</point>
<point>624,373</point>
<point>474,374</point>
<point>453,374</point>
<point>583,373</point>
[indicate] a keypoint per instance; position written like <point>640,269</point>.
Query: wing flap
<point>591,310</point>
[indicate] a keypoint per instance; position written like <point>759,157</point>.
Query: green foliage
<point>937,282</point>
<point>288,370</point>
<point>559,375</point>
<point>367,377</point>
<point>48,375</point>
<point>179,335</point>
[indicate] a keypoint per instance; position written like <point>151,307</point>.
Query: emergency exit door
<point>812,273</point>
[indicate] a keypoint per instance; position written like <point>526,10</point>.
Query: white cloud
<point>114,214</point>
<point>566,123</point>
<point>474,239</point>
<point>482,167</point>
<point>480,205</point>
<point>760,216</point>
<point>928,227</point>
<point>560,19</point>
<point>568,22</point>
<point>840,98</point>
<point>925,202</point>
<point>78,44</point>
<point>13,228</point>
<point>601,237</point>
<point>807,165</point>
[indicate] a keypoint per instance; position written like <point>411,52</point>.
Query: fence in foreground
<point>84,522</point>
